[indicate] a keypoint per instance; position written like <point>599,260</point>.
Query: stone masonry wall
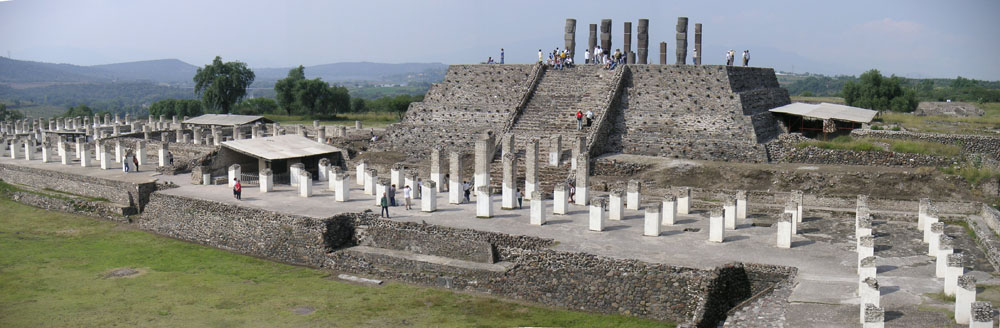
<point>784,150</point>
<point>973,144</point>
<point>133,195</point>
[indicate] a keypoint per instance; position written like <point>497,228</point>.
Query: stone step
<point>395,256</point>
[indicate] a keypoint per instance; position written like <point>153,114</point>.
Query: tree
<point>285,88</point>
<point>222,85</point>
<point>176,107</point>
<point>257,106</point>
<point>78,110</point>
<point>7,115</point>
<point>359,105</point>
<point>873,91</point>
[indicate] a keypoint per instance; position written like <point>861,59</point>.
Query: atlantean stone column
<point>455,192</point>
<point>629,57</point>
<point>606,34</point>
<point>663,53</point>
<point>592,39</point>
<point>571,38</point>
<point>508,201</point>
<point>436,175</point>
<point>531,168</point>
<point>642,36</point>
<point>682,40</point>
<point>697,44</point>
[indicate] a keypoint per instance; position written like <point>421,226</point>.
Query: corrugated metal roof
<point>828,111</point>
<point>224,119</point>
<point>280,147</point>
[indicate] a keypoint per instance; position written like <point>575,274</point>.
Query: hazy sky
<point>910,38</point>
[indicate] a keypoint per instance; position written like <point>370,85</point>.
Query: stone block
<point>597,207</point>
<point>982,315</point>
<point>965,295</point>
<point>869,294</point>
<point>741,205</point>
<point>428,200</point>
<point>668,212</point>
<point>633,195</point>
<point>956,269</point>
<point>729,211</point>
<point>651,223</point>
<point>509,185</point>
<point>455,192</point>
<point>616,206</point>
<point>560,199</point>
<point>484,202</point>
<point>873,317</point>
<point>684,201</point>
<point>266,181</point>
<point>537,209</point>
<point>234,173</point>
<point>716,226</point>
<point>305,184</point>
<point>945,248</point>
<point>784,227</point>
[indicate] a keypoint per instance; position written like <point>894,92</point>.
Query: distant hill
<point>163,70</point>
<point>358,71</point>
<point>14,71</point>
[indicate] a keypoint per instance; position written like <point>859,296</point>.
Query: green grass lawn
<point>53,267</point>
<point>368,120</point>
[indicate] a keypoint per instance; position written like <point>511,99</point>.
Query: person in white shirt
<point>539,55</point>
<point>590,117</point>
<point>746,58</point>
<point>694,58</point>
<point>586,56</point>
<point>406,196</point>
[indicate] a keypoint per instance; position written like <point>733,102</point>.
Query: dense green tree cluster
<point>397,104</point>
<point>78,110</point>
<point>7,115</point>
<point>873,91</point>
<point>257,106</point>
<point>222,84</point>
<point>296,94</point>
<point>177,107</point>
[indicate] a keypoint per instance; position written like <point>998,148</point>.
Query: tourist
<point>392,195</point>
<point>598,52</point>
<point>568,62</point>
<point>539,55</point>
<point>586,56</point>
<point>406,196</point>
<point>517,194</point>
<point>572,193</point>
<point>501,56</point>
<point>385,206</point>
<point>746,58</point>
<point>419,187</point>
<point>237,189</point>
<point>125,163</point>
<point>607,61</point>
<point>446,182</point>
<point>170,158</point>
<point>467,189</point>
<point>590,117</point>
<point>490,61</point>
<point>694,56</point>
<point>579,120</point>
<point>136,162</point>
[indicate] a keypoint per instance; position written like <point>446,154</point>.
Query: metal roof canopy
<point>224,119</point>
<point>825,111</point>
<point>280,147</point>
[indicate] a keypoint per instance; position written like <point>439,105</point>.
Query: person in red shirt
<point>237,189</point>
<point>579,120</point>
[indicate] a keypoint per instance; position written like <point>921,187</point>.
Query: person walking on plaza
<point>385,206</point>
<point>392,195</point>
<point>467,189</point>
<point>125,163</point>
<point>237,189</point>
<point>579,120</point>
<point>572,193</point>
<point>519,197</point>
<point>136,162</point>
<point>406,196</point>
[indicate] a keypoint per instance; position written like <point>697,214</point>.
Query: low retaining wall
<point>134,195</point>
<point>973,144</point>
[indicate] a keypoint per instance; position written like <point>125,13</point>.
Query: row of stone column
<point>642,49</point>
<point>102,152</point>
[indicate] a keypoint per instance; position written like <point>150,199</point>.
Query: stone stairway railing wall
<point>597,139</point>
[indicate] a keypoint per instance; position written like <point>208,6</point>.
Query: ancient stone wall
<point>986,227</point>
<point>973,144</point>
<point>127,194</point>
<point>785,150</point>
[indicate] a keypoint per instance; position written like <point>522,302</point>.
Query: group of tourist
<point>731,57</point>
<point>389,197</point>
<point>602,57</point>
<point>128,163</point>
<point>491,61</point>
<point>580,116</point>
<point>557,59</point>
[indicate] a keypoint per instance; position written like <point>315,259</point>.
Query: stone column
<point>65,154</point>
<point>324,169</point>
<point>729,211</point>
<point>381,187</point>
<point>359,172</point>
<point>254,131</point>
<point>867,269</point>
<point>428,199</point>
<point>741,205</point>
<point>582,180</point>
<point>663,53</point>
<point>682,42</point>
<point>684,201</point>
<point>863,222</point>
<point>865,248</point>
<point>357,125</point>
<point>235,171</point>
<point>965,295</point>
<point>455,192</point>
<point>118,151</point>
<point>798,197</point>
<point>342,132</point>
<point>784,229</point>
<point>104,156</point>
<point>632,194</point>
<point>592,40</point>
<point>293,173</point>
<point>790,208</point>
<point>164,148</point>
<point>266,181</point>
<point>874,316</point>
<point>173,120</point>
<point>982,315</point>
<point>555,150</point>
<point>578,144</point>
<point>436,175</point>
<point>697,44</point>
<point>937,229</point>
<point>305,184</point>
<point>484,149</point>
<point>509,183</point>
<point>931,218</point>
<point>396,175</point>
<point>560,197</point>
<point>616,205</point>
<point>606,34</point>
<point>571,38</point>
<point>140,152</point>
<point>300,130</point>
<point>116,130</point>
<point>341,188</point>
<point>668,211</point>
<point>84,155</point>
<point>922,213</point>
<point>29,148</point>
<point>217,137</point>
<point>869,295</point>
<point>46,156</point>
<point>531,168</point>
<point>371,177</point>
<point>946,246</point>
<point>320,135</point>
<point>955,269</point>
<point>627,48</point>
<point>597,207</point>
<point>716,226</point>
<point>484,203</point>
<point>79,148</point>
